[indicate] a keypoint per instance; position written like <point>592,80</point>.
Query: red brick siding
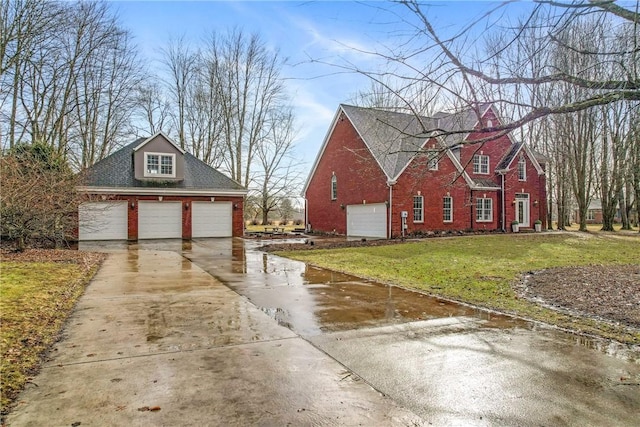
<point>535,186</point>
<point>433,186</point>
<point>360,178</point>
<point>358,174</point>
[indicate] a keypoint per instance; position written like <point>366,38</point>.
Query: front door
<point>522,209</point>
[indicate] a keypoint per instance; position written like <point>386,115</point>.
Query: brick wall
<point>358,177</point>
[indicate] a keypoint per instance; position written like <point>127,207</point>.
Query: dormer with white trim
<point>158,158</point>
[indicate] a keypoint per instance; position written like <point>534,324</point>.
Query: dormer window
<point>160,165</point>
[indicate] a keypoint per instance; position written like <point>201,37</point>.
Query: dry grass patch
<point>38,290</point>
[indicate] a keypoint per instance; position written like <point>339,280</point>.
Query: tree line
<point>72,78</point>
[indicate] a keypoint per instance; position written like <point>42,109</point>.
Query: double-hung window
<point>160,165</point>
<point>418,209</point>
<point>481,164</point>
<point>484,210</point>
<point>447,209</point>
<point>522,169</point>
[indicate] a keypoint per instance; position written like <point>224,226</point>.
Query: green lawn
<point>35,300</point>
<point>480,269</point>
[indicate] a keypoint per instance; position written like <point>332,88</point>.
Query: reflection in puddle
<point>311,300</point>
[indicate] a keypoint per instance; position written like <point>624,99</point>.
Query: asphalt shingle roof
<point>504,163</point>
<point>117,170</point>
<point>395,138</point>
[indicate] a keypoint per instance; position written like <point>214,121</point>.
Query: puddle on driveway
<point>311,300</point>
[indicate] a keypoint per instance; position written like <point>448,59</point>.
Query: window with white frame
<point>334,187</point>
<point>160,165</point>
<point>484,209</point>
<point>418,209</point>
<point>591,215</point>
<point>447,209</point>
<point>432,162</point>
<point>522,169</point>
<point>481,164</point>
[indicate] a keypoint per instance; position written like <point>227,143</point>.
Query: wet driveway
<point>215,332</point>
<point>449,364</point>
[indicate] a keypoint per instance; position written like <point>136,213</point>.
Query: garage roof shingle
<point>117,171</point>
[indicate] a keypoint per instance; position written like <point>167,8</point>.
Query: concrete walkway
<point>156,341</point>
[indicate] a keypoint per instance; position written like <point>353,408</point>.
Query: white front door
<point>522,210</point>
<point>159,220</point>
<point>368,220</point>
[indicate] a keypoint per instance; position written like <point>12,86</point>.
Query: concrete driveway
<point>281,343</point>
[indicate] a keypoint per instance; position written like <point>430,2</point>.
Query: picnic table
<point>273,230</point>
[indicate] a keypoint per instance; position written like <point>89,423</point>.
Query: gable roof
<point>116,173</point>
<point>506,161</point>
<point>393,138</point>
<point>152,137</point>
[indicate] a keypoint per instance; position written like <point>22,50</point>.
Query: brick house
<point>153,189</point>
<point>378,172</point>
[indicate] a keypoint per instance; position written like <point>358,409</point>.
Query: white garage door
<point>211,219</point>
<point>159,220</point>
<point>102,221</point>
<point>367,220</point>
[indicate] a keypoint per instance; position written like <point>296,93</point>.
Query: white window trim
<point>334,187</point>
<point>433,156</point>
<point>450,209</point>
<point>522,162</point>
<point>479,164</point>
<point>160,175</point>
<point>483,209</point>
<point>421,210</point>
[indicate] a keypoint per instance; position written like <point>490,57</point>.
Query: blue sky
<point>325,30</point>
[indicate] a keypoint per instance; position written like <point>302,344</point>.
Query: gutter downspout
<point>306,215</point>
<point>504,206</point>
<point>390,209</point>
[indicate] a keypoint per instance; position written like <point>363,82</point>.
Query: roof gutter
<point>162,191</point>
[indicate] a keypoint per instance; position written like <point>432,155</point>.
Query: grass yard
<point>35,299</point>
<point>481,270</point>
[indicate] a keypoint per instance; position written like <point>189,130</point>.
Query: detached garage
<point>153,189</point>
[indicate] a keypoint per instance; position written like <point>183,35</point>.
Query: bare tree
<point>275,177</point>
<point>248,87</point>
<point>180,61</point>
<point>152,108</point>
<point>70,70</point>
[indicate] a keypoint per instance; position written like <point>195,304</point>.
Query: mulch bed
<point>610,293</point>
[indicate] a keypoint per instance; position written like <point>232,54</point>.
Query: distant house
<point>594,213</point>
<point>153,189</point>
<point>377,173</point>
